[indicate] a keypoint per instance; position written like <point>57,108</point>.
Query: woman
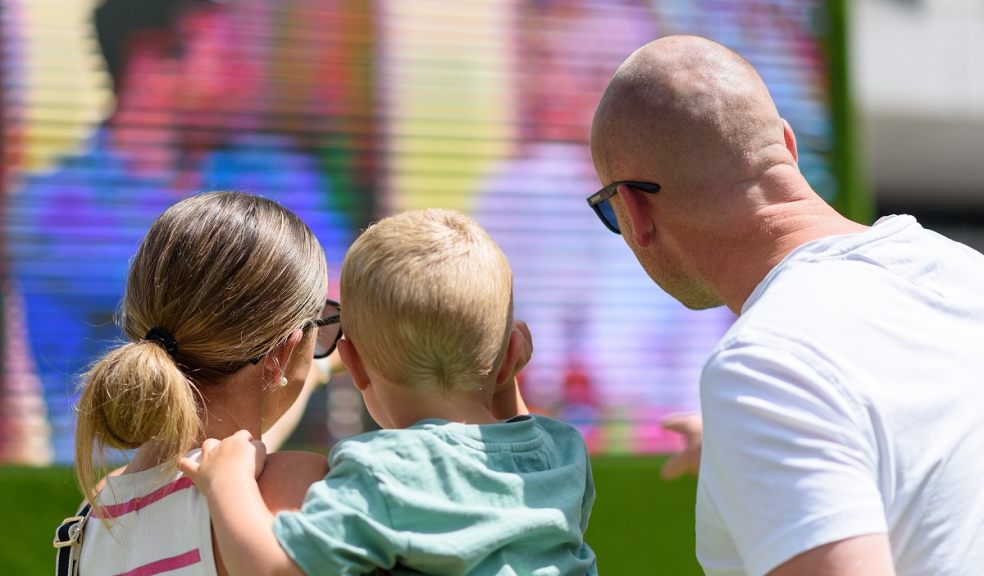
<point>224,310</point>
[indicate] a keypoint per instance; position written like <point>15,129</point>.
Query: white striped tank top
<point>159,524</point>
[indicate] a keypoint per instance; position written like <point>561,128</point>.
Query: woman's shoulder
<point>287,476</point>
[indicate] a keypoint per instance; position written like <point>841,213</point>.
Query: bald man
<point>844,410</point>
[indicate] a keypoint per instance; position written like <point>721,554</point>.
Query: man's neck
<point>778,230</point>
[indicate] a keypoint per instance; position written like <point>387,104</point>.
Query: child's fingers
<point>210,444</point>
<point>261,455</point>
<point>188,467</point>
<point>243,435</point>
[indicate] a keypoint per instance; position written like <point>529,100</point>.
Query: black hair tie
<point>164,338</point>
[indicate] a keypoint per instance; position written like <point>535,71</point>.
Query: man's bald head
<point>695,118</point>
<point>688,113</point>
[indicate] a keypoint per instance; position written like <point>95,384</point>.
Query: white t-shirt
<point>160,523</point>
<point>848,399</point>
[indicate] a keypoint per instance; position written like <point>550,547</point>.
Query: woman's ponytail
<point>133,395</point>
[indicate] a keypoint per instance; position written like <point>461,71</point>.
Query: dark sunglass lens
<point>327,337</point>
<point>330,309</point>
<point>608,213</point>
<point>328,334</point>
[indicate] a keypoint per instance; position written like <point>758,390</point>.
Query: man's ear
<point>353,362</point>
<point>637,209</point>
<point>790,137</point>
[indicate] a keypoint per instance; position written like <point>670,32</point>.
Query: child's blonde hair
<point>228,276</point>
<point>427,300</point>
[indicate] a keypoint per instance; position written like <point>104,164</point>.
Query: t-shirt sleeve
<point>789,460</point>
<point>343,527</point>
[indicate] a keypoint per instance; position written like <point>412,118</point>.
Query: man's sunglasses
<point>600,201</point>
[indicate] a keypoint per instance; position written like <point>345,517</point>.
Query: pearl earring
<point>284,382</point>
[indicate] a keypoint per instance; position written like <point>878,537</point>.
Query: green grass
<point>640,524</point>
<point>36,500</point>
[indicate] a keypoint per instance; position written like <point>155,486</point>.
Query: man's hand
<point>691,427</point>
<point>236,457</point>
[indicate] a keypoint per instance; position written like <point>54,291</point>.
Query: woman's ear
<point>353,362</point>
<point>275,362</point>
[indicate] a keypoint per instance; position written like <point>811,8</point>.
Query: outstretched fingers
<point>687,461</point>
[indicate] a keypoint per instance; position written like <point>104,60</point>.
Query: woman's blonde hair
<point>228,276</point>
<point>428,300</point>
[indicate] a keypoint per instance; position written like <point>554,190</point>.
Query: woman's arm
<point>287,476</point>
<point>321,371</point>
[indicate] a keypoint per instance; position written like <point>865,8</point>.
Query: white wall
<point>918,78</point>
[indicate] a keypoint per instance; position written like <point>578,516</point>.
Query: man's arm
<point>789,470</point>
<point>242,523</point>
<point>859,556</point>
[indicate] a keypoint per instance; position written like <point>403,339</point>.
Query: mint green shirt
<point>447,498</point>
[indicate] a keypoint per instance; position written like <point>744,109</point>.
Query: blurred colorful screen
<point>346,111</point>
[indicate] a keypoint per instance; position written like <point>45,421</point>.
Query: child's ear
<point>518,353</point>
<point>353,362</point>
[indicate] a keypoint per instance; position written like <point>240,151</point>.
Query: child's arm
<point>243,525</point>
<point>507,402</point>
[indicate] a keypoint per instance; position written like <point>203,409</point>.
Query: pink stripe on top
<point>117,510</point>
<point>166,564</point>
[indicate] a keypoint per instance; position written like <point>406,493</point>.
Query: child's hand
<point>235,458</point>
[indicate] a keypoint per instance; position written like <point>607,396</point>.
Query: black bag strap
<point>68,543</point>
